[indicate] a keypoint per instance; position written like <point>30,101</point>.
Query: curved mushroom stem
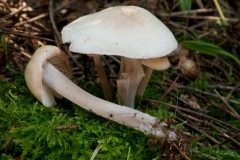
<point>121,114</point>
<point>102,76</point>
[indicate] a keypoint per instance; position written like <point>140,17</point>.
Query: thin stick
<point>194,112</point>
<point>109,66</point>
<point>224,101</point>
<point>224,135</point>
<point>11,14</point>
<point>202,132</point>
<point>181,152</point>
<point>43,15</point>
<point>32,19</point>
<point>169,89</point>
<point>56,32</point>
<point>67,127</point>
<point>51,16</point>
<point>213,18</point>
<point>25,34</point>
<point>237,135</point>
<point>232,90</point>
<point>16,46</point>
<point>200,91</point>
<point>115,59</point>
<point>219,86</point>
<point>194,11</point>
<point>204,154</point>
<point>219,107</point>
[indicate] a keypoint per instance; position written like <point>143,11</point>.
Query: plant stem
<point>225,23</point>
<point>103,77</point>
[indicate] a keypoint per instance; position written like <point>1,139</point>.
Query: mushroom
<point>127,31</point>
<point>46,80</point>
<point>34,73</point>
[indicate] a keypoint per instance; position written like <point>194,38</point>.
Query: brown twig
<point>56,32</point>
<point>200,131</point>
<point>216,65</point>
<point>204,154</point>
<point>21,49</point>
<point>194,11</point>
<point>187,103</point>
<point>32,19</point>
<point>51,16</point>
<point>219,107</point>
<point>224,135</point>
<point>224,101</point>
<point>181,152</point>
<point>232,90</point>
<point>194,112</point>
<point>43,15</point>
<point>237,135</point>
<point>25,34</point>
<point>213,18</point>
<point>12,14</point>
<point>67,127</point>
<point>168,90</point>
<point>199,91</point>
<point>219,86</point>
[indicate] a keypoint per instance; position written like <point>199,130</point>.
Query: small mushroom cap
<point>160,63</point>
<point>128,31</point>
<point>34,72</point>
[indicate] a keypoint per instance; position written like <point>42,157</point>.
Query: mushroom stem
<point>103,77</point>
<point>143,84</point>
<point>121,114</point>
<point>131,74</point>
<point>159,63</point>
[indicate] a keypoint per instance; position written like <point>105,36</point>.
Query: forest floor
<point>205,105</point>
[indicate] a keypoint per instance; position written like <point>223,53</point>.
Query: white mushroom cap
<point>34,72</point>
<point>128,31</point>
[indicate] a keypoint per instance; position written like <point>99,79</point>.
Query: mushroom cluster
<point>127,31</point>
<point>47,80</point>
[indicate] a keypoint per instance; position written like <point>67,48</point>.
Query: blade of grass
<point>185,5</point>
<point>129,151</point>
<point>209,49</point>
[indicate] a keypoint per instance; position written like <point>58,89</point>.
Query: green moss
<point>27,129</point>
<point>215,151</point>
<point>200,83</point>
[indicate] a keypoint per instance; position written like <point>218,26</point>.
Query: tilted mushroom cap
<point>34,72</point>
<point>127,31</point>
<point>160,63</point>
